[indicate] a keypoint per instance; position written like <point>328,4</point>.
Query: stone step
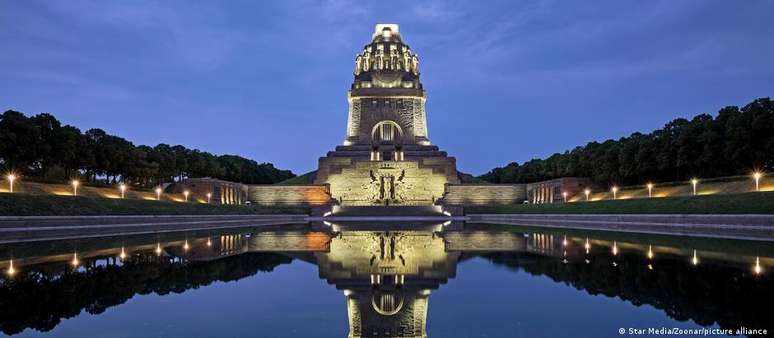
<point>424,210</point>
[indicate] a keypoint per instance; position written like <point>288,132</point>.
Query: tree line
<point>735,142</point>
<point>40,147</point>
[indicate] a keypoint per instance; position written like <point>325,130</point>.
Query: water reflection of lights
<point>757,269</point>
<point>650,266</point>
<point>11,270</point>
<point>695,258</point>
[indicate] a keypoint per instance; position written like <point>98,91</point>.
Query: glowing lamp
<point>75,184</point>
<point>650,189</point>
<point>587,192</point>
<point>123,190</point>
<point>614,189</point>
<point>186,193</point>
<point>694,182</point>
<point>209,197</point>
<point>158,194</point>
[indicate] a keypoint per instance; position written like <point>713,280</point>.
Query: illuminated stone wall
<point>289,194</point>
<point>408,112</point>
<point>481,194</point>
<point>220,192</point>
<point>418,182</point>
<point>551,191</point>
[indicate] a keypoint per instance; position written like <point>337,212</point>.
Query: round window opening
<point>387,303</point>
<point>386,132</point>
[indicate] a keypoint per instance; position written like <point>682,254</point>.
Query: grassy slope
<point>746,203</point>
<point>307,178</point>
<point>42,205</point>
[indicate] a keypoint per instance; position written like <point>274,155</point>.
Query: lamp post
<point>694,182</point>
<point>564,196</point>
<point>123,190</point>
<point>75,187</point>
<point>158,194</point>
<point>756,175</point>
<point>614,189</point>
<point>587,192</point>
<point>650,190</point>
<point>186,193</point>
<point>209,197</point>
<point>11,178</point>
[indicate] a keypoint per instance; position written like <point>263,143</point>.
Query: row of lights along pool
<point>122,255</point>
<point>121,187</point>
<point>694,183</point>
<point>757,268</point>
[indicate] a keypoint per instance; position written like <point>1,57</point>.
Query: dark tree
<point>735,142</point>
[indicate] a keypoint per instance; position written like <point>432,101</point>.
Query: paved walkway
<point>751,227</point>
<point>38,228</point>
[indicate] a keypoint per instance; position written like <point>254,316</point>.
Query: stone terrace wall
<point>480,194</point>
<point>289,194</point>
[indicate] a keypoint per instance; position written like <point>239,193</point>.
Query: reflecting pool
<point>388,281</point>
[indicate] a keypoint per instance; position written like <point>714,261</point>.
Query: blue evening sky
<point>506,81</point>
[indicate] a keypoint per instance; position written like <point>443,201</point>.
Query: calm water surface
<point>294,282</point>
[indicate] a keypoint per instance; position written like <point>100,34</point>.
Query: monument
<point>386,157</point>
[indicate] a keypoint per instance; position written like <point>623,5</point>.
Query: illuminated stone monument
<point>386,157</point>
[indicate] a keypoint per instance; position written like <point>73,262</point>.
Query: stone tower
<point>386,157</point>
<point>386,101</point>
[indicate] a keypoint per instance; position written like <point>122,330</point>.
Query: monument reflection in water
<point>387,277</point>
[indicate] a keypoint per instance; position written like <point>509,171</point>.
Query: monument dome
<point>386,62</point>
